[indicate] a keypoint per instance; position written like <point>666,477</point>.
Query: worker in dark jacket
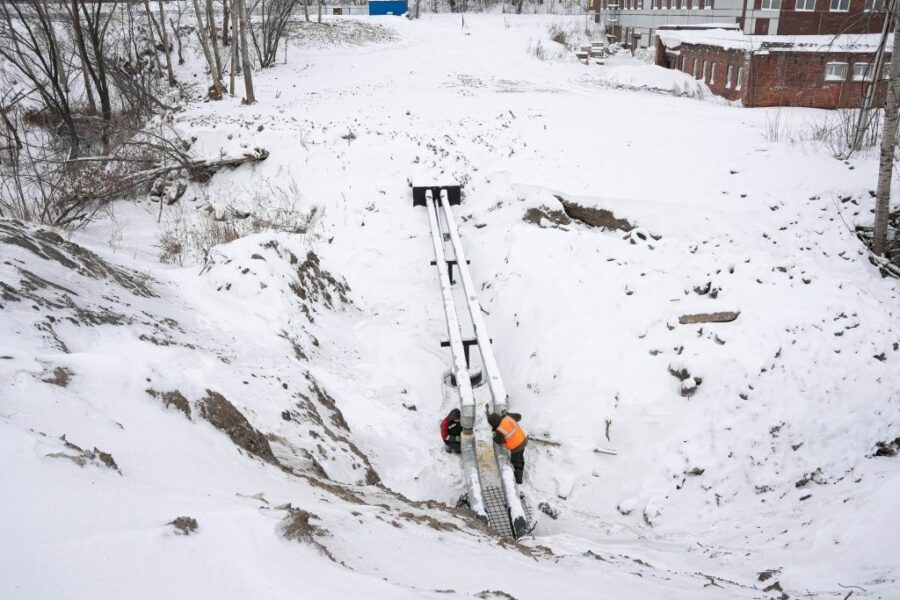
<point>508,432</point>
<point>451,430</point>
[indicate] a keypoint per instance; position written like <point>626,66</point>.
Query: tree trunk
<point>177,41</point>
<point>234,46</point>
<point>152,26</point>
<point>320,11</point>
<point>417,8</point>
<point>306,9</point>
<point>82,55</point>
<point>226,15</point>
<point>245,55</point>
<point>204,42</point>
<point>888,143</point>
<point>213,35</point>
<point>165,41</point>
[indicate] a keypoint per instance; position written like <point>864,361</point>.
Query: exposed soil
<point>594,217</point>
<point>296,527</point>
<point>173,399</point>
<point>537,216</point>
<point>222,415</point>
<point>184,525</point>
<point>61,377</point>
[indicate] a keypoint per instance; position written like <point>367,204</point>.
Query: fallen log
<point>716,317</point>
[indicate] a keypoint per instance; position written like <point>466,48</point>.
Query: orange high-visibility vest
<point>513,435</point>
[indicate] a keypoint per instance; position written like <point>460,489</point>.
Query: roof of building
<point>737,40</point>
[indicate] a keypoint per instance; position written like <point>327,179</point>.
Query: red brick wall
<point>720,57</point>
<point>775,78</point>
<point>822,21</point>
<point>798,79</point>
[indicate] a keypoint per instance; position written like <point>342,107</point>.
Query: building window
<point>806,5</point>
<point>684,4</point>
<point>862,72</point>
<point>708,4</point>
<point>684,64</point>
<point>695,4</point>
<point>836,71</point>
<point>705,70</point>
<point>694,73</point>
<point>728,77</point>
<point>774,4</point>
<point>840,5</point>
<point>871,5</point>
<point>740,78</point>
<point>712,75</point>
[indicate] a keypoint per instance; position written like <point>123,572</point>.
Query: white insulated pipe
<point>495,382</point>
<point>463,383</point>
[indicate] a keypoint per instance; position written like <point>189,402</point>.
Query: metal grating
<point>498,514</point>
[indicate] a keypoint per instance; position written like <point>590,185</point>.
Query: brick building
<point>760,70</point>
<point>635,22</point>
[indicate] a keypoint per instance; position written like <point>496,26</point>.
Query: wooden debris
<point>716,317</point>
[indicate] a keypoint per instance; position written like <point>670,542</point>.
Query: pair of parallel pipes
<point>460,366</point>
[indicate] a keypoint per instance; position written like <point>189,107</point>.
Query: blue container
<point>388,7</point>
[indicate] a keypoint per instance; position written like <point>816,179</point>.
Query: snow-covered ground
<point>302,372</point>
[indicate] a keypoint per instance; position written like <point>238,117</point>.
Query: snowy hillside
<point>264,423</point>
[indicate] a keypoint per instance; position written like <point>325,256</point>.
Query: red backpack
<point>445,428</point>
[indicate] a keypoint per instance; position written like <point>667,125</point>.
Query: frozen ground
<point>744,450</point>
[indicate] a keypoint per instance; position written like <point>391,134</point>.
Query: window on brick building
<point>740,78</point>
<point>806,5</point>
<point>840,5</point>
<point>695,4</point>
<point>871,5</point>
<point>684,4</point>
<point>712,75</point>
<point>694,71</point>
<point>836,71</point>
<point>771,4</point>
<point>728,77</point>
<point>708,4</point>
<point>863,72</point>
<point>705,70</point>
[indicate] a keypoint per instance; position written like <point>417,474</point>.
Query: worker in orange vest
<point>508,432</point>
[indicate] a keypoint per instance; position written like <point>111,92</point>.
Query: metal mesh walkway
<point>497,512</point>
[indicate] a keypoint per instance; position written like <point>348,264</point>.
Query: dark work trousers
<point>517,458</point>
<point>453,446</point>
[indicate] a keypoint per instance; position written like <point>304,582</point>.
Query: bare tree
<point>234,47</point>
<point>217,89</point>
<point>166,46</point>
<point>270,29</point>
<point>213,36</point>
<point>28,44</point>
<point>888,144</point>
<point>75,17</point>
<point>225,22</point>
<point>249,98</point>
<point>151,27</point>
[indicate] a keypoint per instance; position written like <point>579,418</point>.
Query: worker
<point>508,432</point>
<point>451,430</point>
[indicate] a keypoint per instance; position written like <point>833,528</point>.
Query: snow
<point>704,492</point>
